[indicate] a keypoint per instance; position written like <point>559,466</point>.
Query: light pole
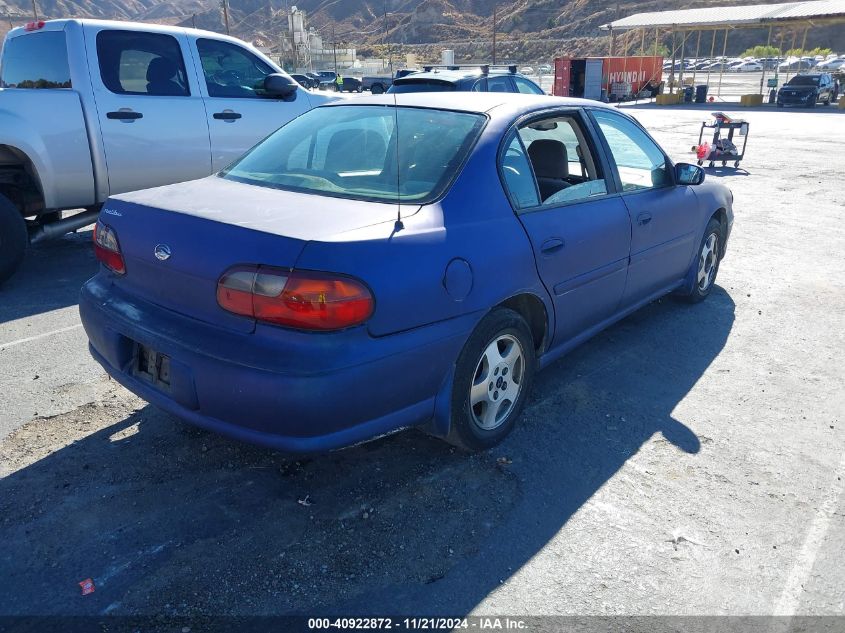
<point>495,18</point>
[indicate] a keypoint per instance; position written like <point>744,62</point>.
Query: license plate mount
<point>153,366</point>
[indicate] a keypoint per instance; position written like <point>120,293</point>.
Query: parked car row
<point>756,64</point>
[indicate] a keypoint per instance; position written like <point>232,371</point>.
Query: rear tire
<point>493,379</point>
<point>14,239</point>
<point>705,267</point>
<point>377,89</point>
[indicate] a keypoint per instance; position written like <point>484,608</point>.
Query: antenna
<point>399,225</point>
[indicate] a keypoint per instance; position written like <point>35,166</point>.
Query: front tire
<point>706,265</point>
<point>493,378</point>
<point>14,239</point>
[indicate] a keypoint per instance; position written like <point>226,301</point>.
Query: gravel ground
<point>687,461</point>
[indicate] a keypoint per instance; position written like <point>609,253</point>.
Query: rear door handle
<point>227,115</point>
<point>643,219</point>
<point>551,246</point>
<point>124,115</point>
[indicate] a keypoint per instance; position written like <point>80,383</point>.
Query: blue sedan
<point>394,262</point>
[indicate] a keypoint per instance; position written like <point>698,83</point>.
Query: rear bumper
<point>291,391</point>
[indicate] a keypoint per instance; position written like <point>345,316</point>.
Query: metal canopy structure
<point>817,12</point>
<point>783,18</point>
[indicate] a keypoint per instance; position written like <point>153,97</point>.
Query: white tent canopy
<point>816,12</point>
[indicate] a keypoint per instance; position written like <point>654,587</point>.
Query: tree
<point>761,51</point>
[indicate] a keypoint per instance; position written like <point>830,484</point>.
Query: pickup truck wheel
<point>377,89</point>
<point>14,238</point>
<point>493,378</point>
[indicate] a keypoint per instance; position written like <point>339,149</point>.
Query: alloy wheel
<point>497,382</point>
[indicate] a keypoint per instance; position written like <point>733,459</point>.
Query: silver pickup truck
<point>93,108</point>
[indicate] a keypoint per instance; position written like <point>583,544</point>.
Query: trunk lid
<point>212,224</point>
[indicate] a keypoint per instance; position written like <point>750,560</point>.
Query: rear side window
<point>424,85</point>
<point>35,60</point>
<point>136,63</point>
<point>527,87</point>
<point>499,84</point>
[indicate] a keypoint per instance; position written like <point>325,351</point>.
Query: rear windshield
<point>804,80</point>
<point>35,60</point>
<point>422,85</point>
<point>350,152</point>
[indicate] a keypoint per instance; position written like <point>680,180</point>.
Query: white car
<point>747,67</point>
<point>832,64</point>
<point>527,70</point>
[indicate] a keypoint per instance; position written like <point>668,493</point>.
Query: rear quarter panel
<point>472,226</point>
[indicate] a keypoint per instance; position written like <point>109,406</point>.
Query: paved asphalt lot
<point>688,460</point>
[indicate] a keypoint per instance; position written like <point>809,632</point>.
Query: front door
<point>663,215</point>
<point>239,113</point>
<point>580,234</point>
<point>150,112</point>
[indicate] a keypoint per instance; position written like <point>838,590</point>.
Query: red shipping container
<point>620,76</point>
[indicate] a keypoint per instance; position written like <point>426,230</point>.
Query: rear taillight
<point>299,299</point>
<point>107,248</point>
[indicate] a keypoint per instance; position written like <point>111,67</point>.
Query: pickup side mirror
<point>686,174</point>
<point>280,86</point>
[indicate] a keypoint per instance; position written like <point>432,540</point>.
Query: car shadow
<point>49,278</point>
<point>168,519</point>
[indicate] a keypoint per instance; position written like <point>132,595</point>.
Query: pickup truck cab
<point>91,108</point>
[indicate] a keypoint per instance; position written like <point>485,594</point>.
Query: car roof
<point>446,74</point>
<point>477,102</point>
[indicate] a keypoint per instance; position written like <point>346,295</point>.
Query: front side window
<point>35,61</point>
<point>137,63</point>
<point>351,152</point>
<point>562,162</point>
<point>231,71</point>
<point>640,162</point>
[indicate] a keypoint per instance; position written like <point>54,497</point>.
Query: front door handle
<point>124,115</point>
<point>551,246</point>
<point>227,115</point>
<point>643,219</point>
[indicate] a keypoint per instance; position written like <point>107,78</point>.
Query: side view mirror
<point>686,174</point>
<point>280,86</point>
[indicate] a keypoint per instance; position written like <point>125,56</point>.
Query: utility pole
<point>495,17</point>
<point>385,41</point>
<point>334,49</point>
<point>35,10</point>
<point>194,20</point>
<point>225,14</point>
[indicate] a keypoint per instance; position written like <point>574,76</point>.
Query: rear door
<point>150,113</point>
<point>239,113</point>
<point>663,216</point>
<point>580,233</point>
